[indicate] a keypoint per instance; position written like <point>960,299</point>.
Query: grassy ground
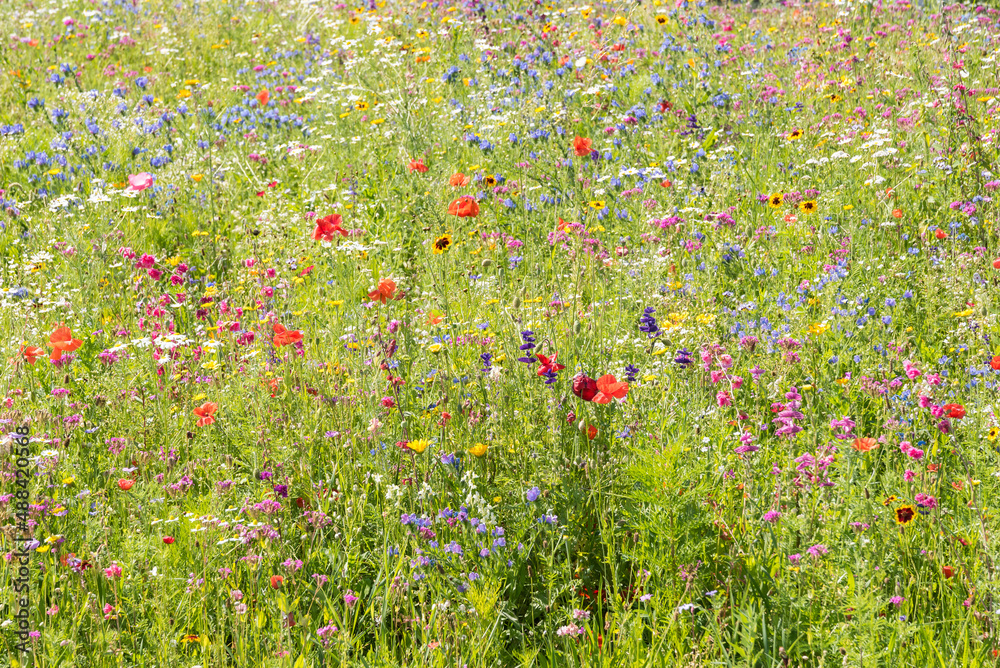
<point>499,333</point>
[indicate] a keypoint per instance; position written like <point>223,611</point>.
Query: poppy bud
<point>577,327</point>
<point>582,426</point>
<point>517,301</point>
<point>487,263</point>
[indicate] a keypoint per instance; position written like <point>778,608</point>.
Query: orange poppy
<point>940,234</point>
<point>385,290</point>
<point>897,213</point>
<point>62,340</point>
<point>434,318</point>
<point>284,337</point>
<point>124,484</point>
<point>458,179</point>
<point>864,444</point>
<point>205,413</point>
<point>464,207</point>
<point>995,363</point>
<point>263,97</point>
<point>608,388</point>
<point>581,146</point>
<point>327,226</point>
<point>417,166</point>
<point>276,581</point>
<point>31,353</point>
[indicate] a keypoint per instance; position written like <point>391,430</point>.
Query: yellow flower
<point>793,135</point>
<point>418,446</point>
<point>441,244</point>
<point>597,204</point>
<point>435,347</point>
<point>662,20</point>
<point>775,200</point>
<point>808,206</point>
<point>69,481</point>
<point>817,328</point>
<point>197,177</point>
<point>992,436</point>
<point>478,450</point>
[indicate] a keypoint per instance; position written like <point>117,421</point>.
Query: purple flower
<point>533,494</point>
<point>350,599</point>
<point>772,516</point>
<point>817,550</point>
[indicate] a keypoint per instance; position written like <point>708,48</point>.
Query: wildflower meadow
<point>499,333</point>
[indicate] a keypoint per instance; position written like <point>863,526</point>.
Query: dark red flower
<point>585,387</point>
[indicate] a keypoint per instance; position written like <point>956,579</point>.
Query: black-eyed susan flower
<point>775,200</point>
<point>793,135</point>
<point>807,206</point>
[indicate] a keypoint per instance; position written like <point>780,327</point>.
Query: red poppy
<point>62,340</point>
<point>464,207</point>
<point>205,413</point>
<point>585,387</point>
<point>995,363</point>
<point>276,581</point>
<point>32,353</point>
<point>591,432</point>
<point>581,146</point>
<point>956,411</point>
<point>169,540</point>
<point>610,388</point>
<point>996,263</point>
<point>948,571</point>
<point>940,234</point>
<point>284,337</point>
<point>417,166</point>
<point>263,97</point>
<point>124,484</point>
<point>897,213</point>
<point>385,290</point>
<point>549,365</point>
<point>327,226</point>
<point>666,183</point>
<point>458,179</point>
